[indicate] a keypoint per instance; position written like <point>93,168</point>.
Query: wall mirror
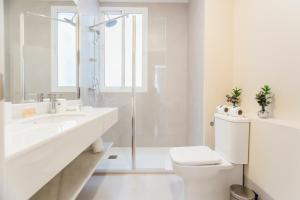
<point>41,50</point>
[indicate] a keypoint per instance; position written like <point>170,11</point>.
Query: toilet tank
<point>232,138</point>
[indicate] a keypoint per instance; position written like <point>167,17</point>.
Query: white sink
<point>56,118</point>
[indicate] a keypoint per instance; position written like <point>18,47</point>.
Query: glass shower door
<point>161,111</point>
<point>143,72</point>
<point>110,88</point>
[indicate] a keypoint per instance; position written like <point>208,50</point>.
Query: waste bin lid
<point>241,193</point>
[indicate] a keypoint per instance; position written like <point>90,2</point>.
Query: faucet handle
<point>52,96</point>
<point>40,97</point>
<point>53,101</point>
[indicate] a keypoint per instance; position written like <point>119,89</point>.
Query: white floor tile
<point>133,187</point>
<point>146,158</point>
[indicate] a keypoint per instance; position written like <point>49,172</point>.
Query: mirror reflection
<point>45,35</point>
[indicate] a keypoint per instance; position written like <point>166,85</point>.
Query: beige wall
<point>249,43</point>
<point>1,102</point>
<point>2,36</point>
<point>211,25</point>
<point>267,46</point>
<point>218,59</point>
<point>195,71</point>
<point>274,161</point>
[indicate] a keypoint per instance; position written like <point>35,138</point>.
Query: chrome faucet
<point>40,97</point>
<point>53,105</point>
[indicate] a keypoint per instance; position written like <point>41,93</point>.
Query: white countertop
<point>24,135</point>
<point>38,148</point>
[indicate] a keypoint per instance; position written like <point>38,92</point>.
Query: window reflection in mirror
<point>64,66</point>
<point>41,42</point>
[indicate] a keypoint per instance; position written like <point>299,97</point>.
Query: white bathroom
<point>149,99</point>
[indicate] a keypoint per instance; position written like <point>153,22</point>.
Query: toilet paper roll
<point>235,112</point>
<point>222,109</point>
<point>218,108</point>
<point>98,146</point>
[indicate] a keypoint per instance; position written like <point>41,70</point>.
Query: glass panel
<point>161,112</point>
<point>120,134</point>
<point>138,48</point>
<point>128,51</point>
<point>66,52</point>
<point>113,54</point>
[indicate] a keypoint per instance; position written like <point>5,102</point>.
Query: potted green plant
<point>264,98</point>
<point>234,97</point>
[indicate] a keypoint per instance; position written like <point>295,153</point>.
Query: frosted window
<point>113,54</point>
<point>66,52</point>
<point>128,51</point>
<point>118,54</point>
<point>138,48</point>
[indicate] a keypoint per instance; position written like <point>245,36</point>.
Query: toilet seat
<point>195,156</point>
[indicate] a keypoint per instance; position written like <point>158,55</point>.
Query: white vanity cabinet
<point>51,147</point>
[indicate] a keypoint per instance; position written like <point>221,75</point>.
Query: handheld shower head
<point>95,31</point>
<point>72,20</point>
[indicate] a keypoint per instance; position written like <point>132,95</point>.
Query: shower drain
<point>112,157</point>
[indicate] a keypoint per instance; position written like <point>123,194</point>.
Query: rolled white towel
<point>236,112</point>
<point>222,109</point>
<point>98,146</point>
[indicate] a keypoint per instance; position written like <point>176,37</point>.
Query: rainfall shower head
<point>109,23</point>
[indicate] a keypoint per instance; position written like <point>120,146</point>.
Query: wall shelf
<point>279,122</point>
<point>70,181</point>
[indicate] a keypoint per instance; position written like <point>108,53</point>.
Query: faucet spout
<point>53,105</point>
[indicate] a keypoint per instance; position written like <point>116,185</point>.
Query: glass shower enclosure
<point>129,64</point>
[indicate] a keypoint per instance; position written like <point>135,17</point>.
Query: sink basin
<point>56,118</point>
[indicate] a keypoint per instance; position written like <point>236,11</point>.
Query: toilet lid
<point>195,156</point>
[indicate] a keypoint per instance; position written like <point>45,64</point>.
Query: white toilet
<point>208,174</point>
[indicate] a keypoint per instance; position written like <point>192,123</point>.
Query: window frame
<point>54,50</point>
<point>124,89</point>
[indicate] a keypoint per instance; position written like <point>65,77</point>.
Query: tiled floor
<point>146,158</point>
<point>133,187</point>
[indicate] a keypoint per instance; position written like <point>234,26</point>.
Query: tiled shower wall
<point>161,112</point>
